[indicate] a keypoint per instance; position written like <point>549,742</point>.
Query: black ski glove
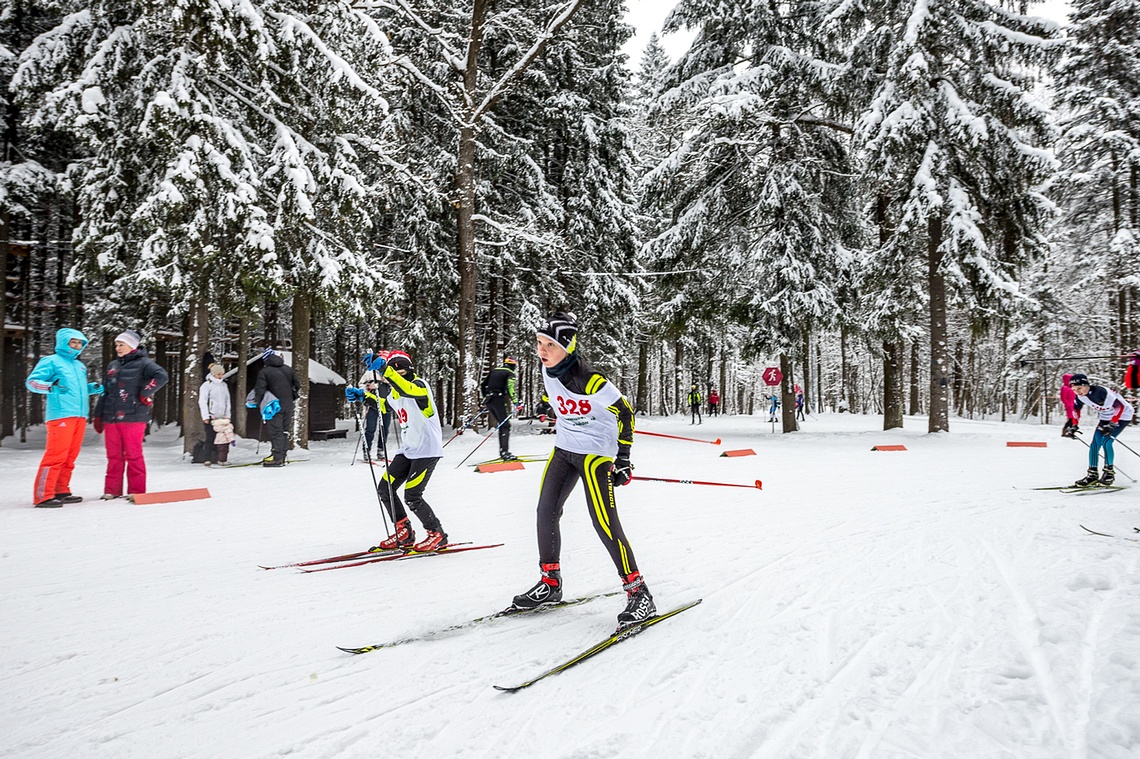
<point>1106,427</point>
<point>622,471</point>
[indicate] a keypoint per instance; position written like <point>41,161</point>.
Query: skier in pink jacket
<point>1072,416</point>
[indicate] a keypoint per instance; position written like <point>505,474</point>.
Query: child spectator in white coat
<point>214,403</point>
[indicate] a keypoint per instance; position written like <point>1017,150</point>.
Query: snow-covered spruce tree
<point>954,150</point>
<point>227,150</point>
<point>759,187</point>
<point>1098,90</point>
<point>444,50</point>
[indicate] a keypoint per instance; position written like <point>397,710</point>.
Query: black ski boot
<point>507,456</point>
<point>548,590</point>
<point>1109,475</point>
<point>1090,478</point>
<point>639,604</point>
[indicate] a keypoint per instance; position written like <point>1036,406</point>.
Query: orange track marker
<point>170,496</point>
<point>741,452</point>
<point>505,466</point>
<point>889,448</point>
<point>1026,444</point>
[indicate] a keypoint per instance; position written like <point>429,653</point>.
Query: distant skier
<point>694,400</point>
<point>714,402</point>
<point>420,440</point>
<point>1115,414</point>
<point>594,435</point>
<point>501,400</point>
<point>773,408</point>
<point>1072,416</point>
<point>800,404</point>
<point>376,412</point>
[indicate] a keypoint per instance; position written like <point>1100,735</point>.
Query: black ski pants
<point>500,409</point>
<point>278,438</point>
<point>413,475</point>
<point>562,473</point>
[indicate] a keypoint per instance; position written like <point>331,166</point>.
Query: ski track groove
<point>1027,635</point>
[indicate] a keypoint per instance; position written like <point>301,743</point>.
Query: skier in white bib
<point>594,432</point>
<point>1115,414</point>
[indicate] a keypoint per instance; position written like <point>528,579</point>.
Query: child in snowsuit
<point>501,400</point>
<point>1115,414</point>
<point>594,433</point>
<point>694,401</point>
<point>376,413</point>
<point>62,377</point>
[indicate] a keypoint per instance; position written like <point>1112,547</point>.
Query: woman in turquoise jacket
<point>62,377</point>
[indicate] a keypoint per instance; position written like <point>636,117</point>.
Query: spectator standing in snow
<point>1115,414</point>
<point>277,380</point>
<point>1072,416</point>
<point>714,402</point>
<point>501,400</point>
<point>62,377</point>
<point>214,404</point>
<point>123,412</point>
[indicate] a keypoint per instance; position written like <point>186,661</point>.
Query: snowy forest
<point>905,205</point>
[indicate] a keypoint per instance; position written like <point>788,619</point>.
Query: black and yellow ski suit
<point>589,409</point>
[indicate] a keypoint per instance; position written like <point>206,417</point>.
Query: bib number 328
<point>571,407</point>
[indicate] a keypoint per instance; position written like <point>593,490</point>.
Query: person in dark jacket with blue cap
<point>277,379</point>
<point>62,377</point>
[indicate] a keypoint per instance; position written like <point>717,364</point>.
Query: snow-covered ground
<point>924,603</point>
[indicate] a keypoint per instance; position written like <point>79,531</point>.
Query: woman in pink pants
<point>122,413</point>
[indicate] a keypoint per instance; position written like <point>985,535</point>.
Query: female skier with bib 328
<point>593,435</point>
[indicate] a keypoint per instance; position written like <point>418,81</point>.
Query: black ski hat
<point>562,328</point>
<point>1078,380</point>
<point>399,360</point>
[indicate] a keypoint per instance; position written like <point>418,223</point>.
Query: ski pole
<point>678,437</point>
<point>485,439</point>
<point>1086,445</point>
<point>757,485</point>
<point>360,437</point>
<point>458,432</point>
<point>387,479</point>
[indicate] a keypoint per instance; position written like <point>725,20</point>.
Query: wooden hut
<point>326,389</point>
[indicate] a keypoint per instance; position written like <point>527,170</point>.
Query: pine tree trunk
<point>807,371</point>
<point>724,394</point>
<point>302,319</point>
<point>640,404</point>
<point>678,370</point>
<point>4,423</point>
<point>787,395</point>
<point>893,353</point>
<point>468,383</point>
<point>196,336</point>
<point>242,378</point>
<point>915,390</point>
<point>936,282</point>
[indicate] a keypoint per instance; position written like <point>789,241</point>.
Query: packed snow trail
<point>924,603</point>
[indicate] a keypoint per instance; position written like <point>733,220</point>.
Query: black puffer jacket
<point>279,380</point>
<point>128,380</point>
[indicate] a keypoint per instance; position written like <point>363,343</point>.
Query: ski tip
<point>759,485</point>
<point>716,442</point>
<point>505,689</point>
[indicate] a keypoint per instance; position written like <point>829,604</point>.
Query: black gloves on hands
<point>622,471</point>
<point>1106,427</point>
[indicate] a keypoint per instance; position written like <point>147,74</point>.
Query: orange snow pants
<point>64,439</point>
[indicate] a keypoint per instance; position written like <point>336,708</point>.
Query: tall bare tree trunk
<point>893,356</point>
<point>302,319</point>
<point>3,308</point>
<point>242,384</point>
<point>641,403</point>
<point>787,395</point>
<point>936,282</point>
<point>915,389</point>
<point>195,339</point>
